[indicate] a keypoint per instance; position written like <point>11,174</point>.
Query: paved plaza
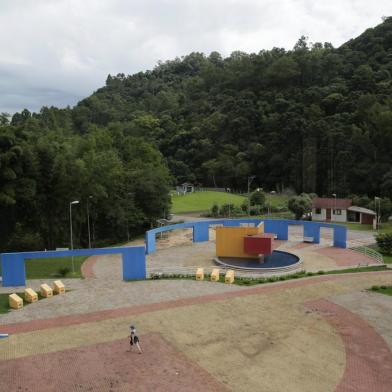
<point>324,333</point>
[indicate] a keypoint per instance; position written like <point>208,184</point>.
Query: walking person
<point>134,339</point>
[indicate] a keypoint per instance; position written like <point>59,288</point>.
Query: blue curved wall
<point>14,271</point>
<point>276,226</point>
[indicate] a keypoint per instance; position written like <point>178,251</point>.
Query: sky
<point>56,52</point>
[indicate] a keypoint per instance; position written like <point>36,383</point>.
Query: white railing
<point>369,252</point>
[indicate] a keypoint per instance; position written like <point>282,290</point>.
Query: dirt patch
<point>108,367</point>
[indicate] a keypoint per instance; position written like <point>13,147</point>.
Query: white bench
<point>308,239</point>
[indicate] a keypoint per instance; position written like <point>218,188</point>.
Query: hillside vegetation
<point>315,118</point>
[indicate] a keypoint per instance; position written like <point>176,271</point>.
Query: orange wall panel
<point>230,240</point>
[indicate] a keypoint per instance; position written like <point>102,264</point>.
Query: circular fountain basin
<point>277,261</point>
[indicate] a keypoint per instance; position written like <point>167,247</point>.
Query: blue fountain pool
<point>277,259</point>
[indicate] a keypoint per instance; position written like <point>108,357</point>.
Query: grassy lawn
<point>203,201</point>
<point>382,289</point>
<point>49,268</point>
<point>356,226</point>
<point>386,227</point>
<point>276,200</point>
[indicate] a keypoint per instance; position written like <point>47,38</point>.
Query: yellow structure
<point>46,291</point>
<point>230,240</point>
<point>30,295</point>
<point>215,275</point>
<point>58,287</point>
<point>229,278</point>
<point>15,301</point>
<point>200,274</point>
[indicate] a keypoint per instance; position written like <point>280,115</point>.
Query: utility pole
<point>334,204</point>
<point>88,222</point>
<point>250,179</point>
<point>70,225</point>
<point>378,212</point>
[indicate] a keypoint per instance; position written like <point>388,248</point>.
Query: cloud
<point>58,52</point>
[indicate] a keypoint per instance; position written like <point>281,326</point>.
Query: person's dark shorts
<point>135,339</point>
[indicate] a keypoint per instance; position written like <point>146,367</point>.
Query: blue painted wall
<point>280,227</point>
<point>14,272</point>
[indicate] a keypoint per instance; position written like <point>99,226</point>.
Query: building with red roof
<point>340,210</point>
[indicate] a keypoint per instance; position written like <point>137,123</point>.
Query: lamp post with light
<point>70,227</point>
<point>378,211</point>
<point>334,204</point>
<point>88,221</point>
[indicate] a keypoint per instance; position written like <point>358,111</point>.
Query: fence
<point>369,252</point>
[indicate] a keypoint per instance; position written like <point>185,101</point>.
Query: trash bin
<point>46,290</point>
<point>58,287</point>
<point>30,295</point>
<point>200,274</point>
<point>15,301</point>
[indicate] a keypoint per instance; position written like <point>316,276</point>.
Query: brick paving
<point>87,268</point>
<point>108,367</point>
<point>100,366</point>
<point>345,257</point>
<point>41,324</point>
<point>368,358</point>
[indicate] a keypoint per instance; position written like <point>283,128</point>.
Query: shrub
<point>384,242</point>
<point>300,205</point>
<point>254,210</point>
<point>375,288</point>
<point>257,198</point>
<point>227,210</point>
<point>215,211</point>
<point>63,271</point>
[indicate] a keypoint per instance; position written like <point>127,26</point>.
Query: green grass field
<point>49,268</point>
<point>203,201</point>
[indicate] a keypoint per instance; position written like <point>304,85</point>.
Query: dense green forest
<point>315,119</point>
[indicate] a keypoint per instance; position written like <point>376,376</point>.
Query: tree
<point>257,198</point>
<point>300,205</point>
<point>384,242</point>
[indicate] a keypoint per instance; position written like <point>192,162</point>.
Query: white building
<point>340,210</point>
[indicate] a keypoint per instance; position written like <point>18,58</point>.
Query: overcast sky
<point>56,52</point>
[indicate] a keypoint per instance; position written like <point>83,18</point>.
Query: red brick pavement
<point>108,367</point>
<point>63,321</point>
<point>368,358</point>
<point>345,257</point>
<point>87,267</point>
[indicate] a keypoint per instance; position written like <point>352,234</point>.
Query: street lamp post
<point>88,222</point>
<point>228,191</point>
<point>70,226</point>
<point>334,204</point>
<point>250,179</point>
<point>378,211</point>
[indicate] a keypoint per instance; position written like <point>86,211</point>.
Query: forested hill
<point>315,118</point>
